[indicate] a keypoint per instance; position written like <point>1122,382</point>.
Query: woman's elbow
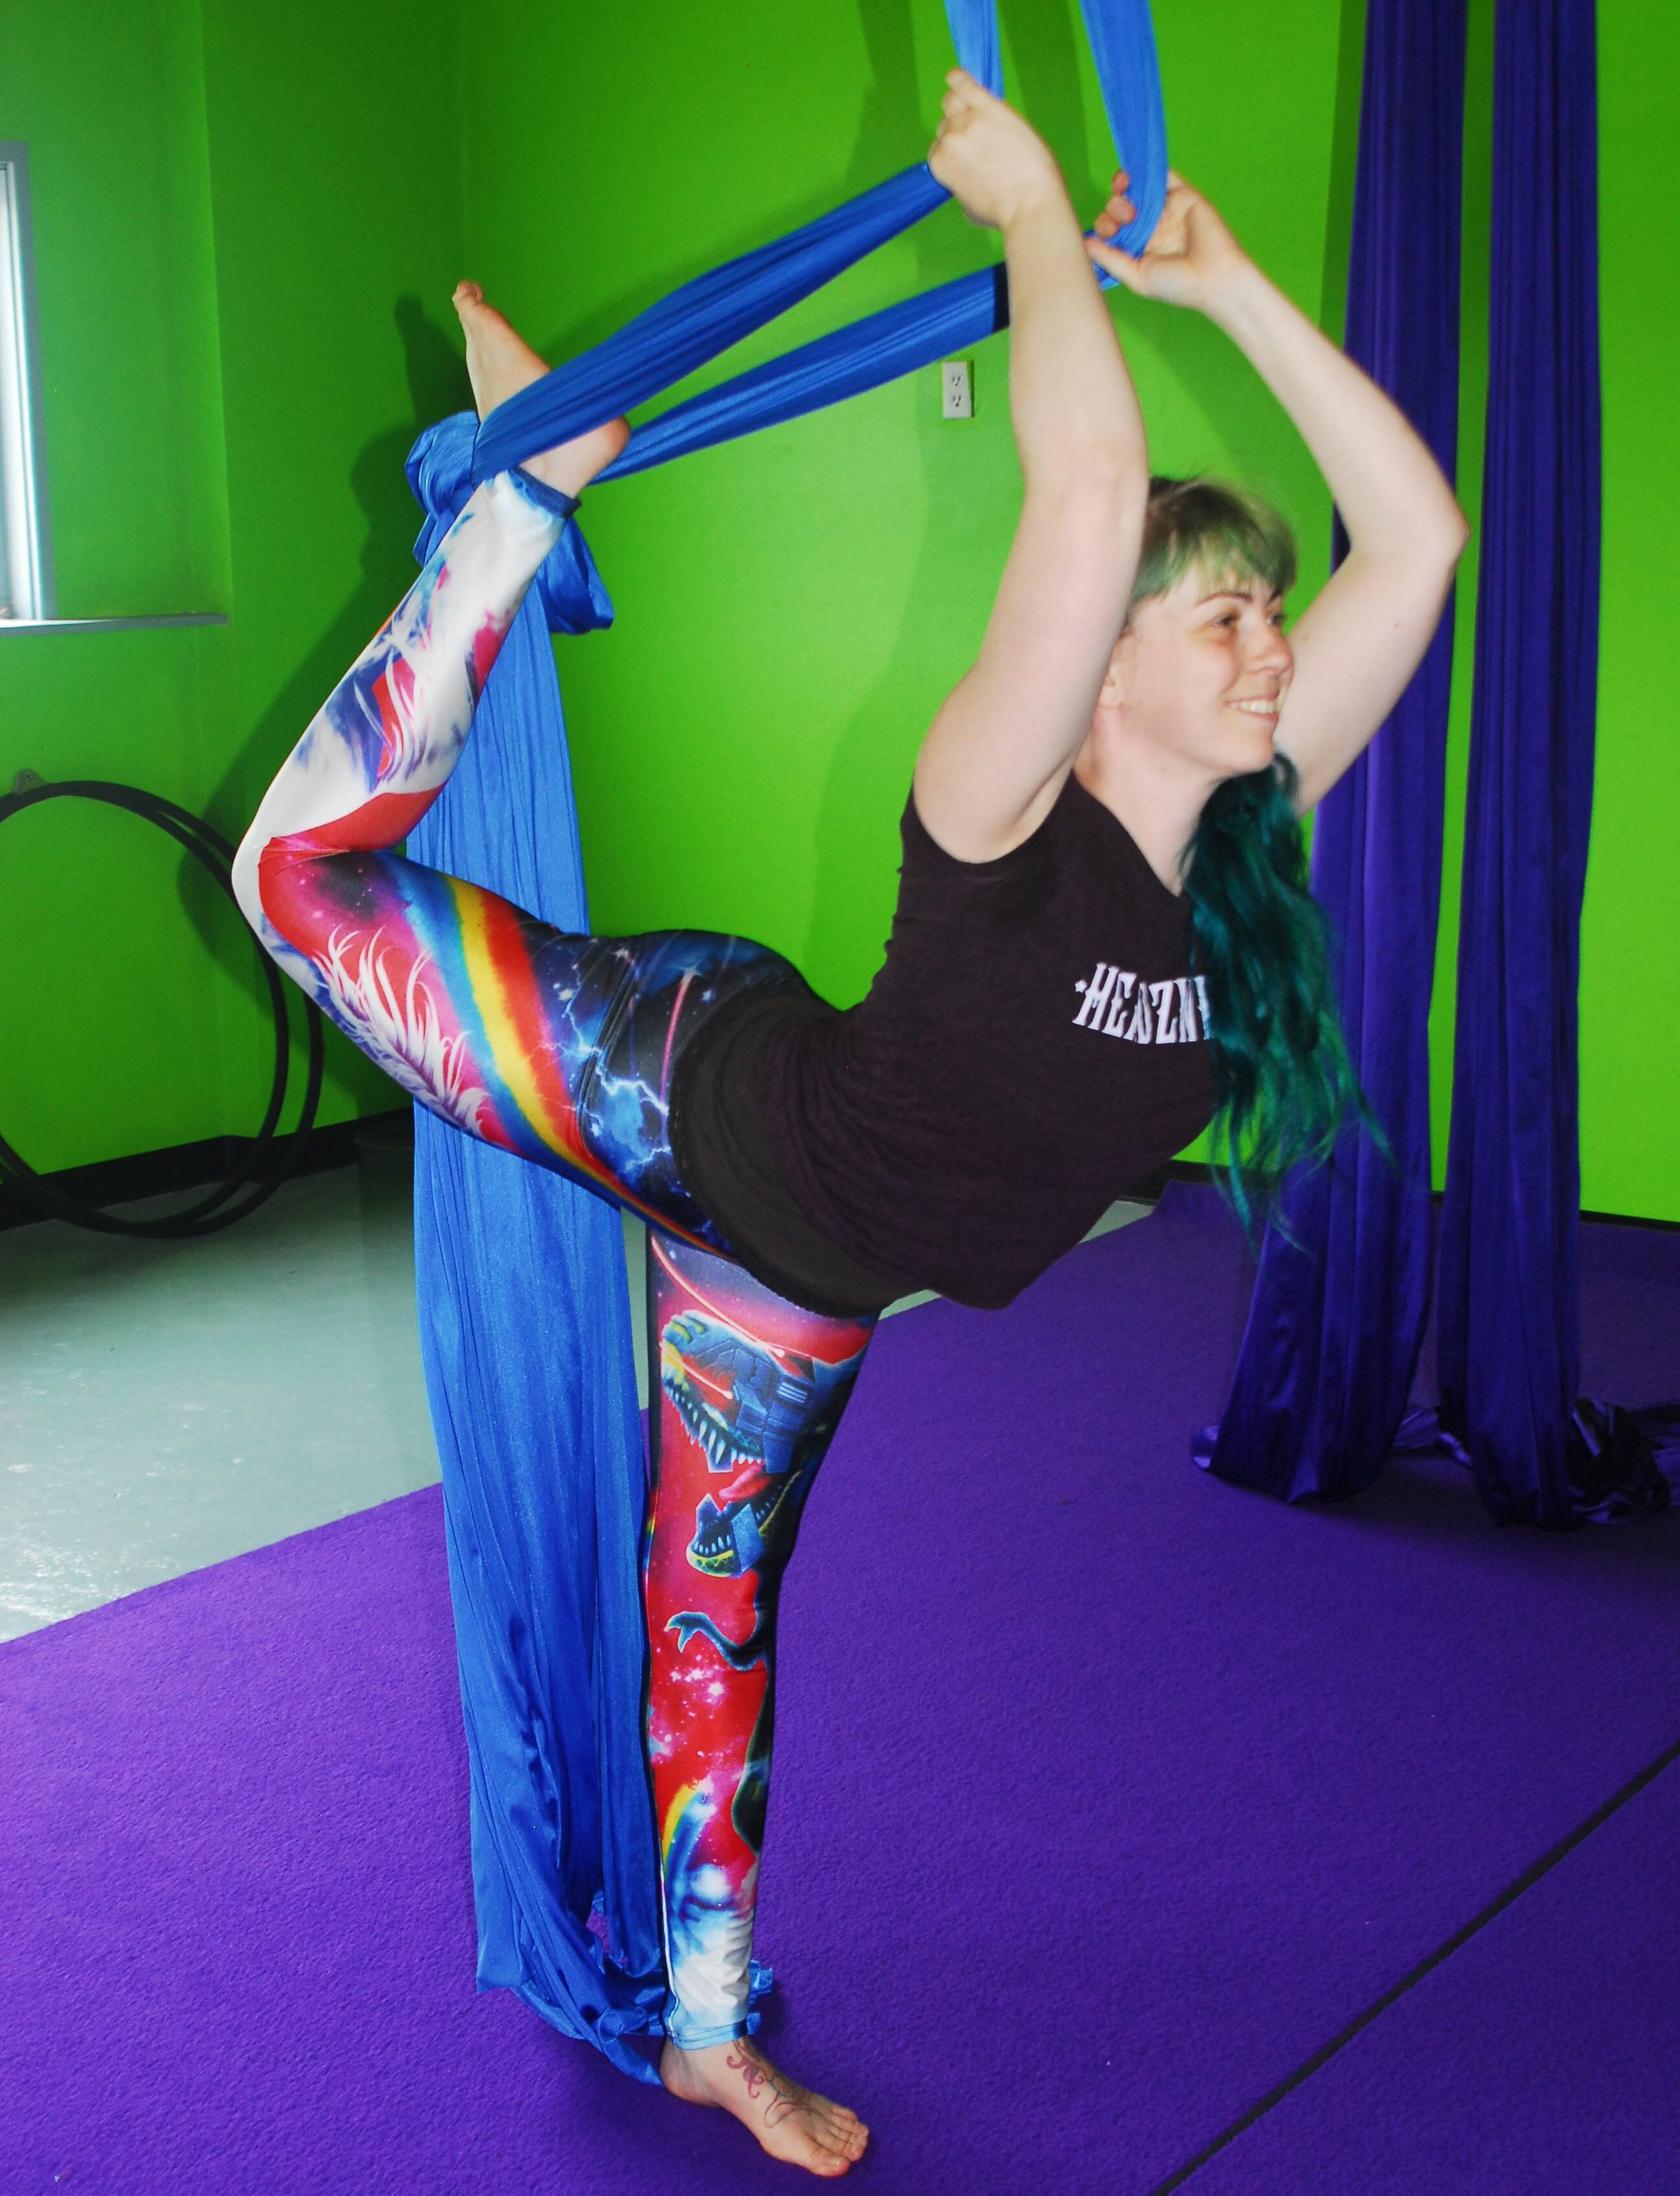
<point>1433,542</point>
<point>1100,504</point>
<point>1107,476</point>
<point>1455,533</point>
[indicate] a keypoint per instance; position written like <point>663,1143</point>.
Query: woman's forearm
<point>1392,496</point>
<point>996,753</point>
<point>1075,412</point>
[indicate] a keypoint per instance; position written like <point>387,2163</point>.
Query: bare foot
<point>791,2123</point>
<point>500,362</point>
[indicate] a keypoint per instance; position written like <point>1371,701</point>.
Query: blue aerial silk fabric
<point>1122,45</point>
<point>1342,1293</point>
<point>716,310</point>
<point>524,1322</point>
<point>526,1338</point>
<point>694,324</point>
<point>853,359</point>
<point>1509,1339</point>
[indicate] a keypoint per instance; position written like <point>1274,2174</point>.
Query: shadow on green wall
<point>892,134</point>
<point>437,385</point>
<point>572,338</point>
<point>1344,154</point>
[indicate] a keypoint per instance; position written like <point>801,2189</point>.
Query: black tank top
<point>1033,1042</point>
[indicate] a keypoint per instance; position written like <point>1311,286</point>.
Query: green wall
<point>235,210</point>
<point>108,1004</point>
<point>335,191</point>
<point>248,226</point>
<point>1630,998</point>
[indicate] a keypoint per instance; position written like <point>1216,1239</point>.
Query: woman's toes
<point>790,2121</point>
<point>500,361</point>
<point>845,2134</point>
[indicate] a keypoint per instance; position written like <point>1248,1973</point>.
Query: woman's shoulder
<point>1080,874</point>
<point>1059,821</point>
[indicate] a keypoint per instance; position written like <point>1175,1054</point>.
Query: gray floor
<point>164,1405</point>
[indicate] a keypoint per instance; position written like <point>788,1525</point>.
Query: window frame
<point>27,590</point>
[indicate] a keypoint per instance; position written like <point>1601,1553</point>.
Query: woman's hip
<point>625,1011</point>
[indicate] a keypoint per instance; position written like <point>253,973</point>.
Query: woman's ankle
<point>570,467</point>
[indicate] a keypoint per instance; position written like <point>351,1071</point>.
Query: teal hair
<point>1224,532</point>
<point>1285,1086</point>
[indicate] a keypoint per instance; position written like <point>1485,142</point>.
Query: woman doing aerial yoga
<point>1103,940</point>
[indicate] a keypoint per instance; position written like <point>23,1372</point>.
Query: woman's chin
<point>1244,757</point>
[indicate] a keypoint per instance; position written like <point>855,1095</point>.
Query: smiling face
<point>1201,671</point>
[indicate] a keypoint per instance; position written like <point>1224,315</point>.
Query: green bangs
<point>1224,532</point>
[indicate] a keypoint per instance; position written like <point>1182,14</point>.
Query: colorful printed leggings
<point>561,1048</point>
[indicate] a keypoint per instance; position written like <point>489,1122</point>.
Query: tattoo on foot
<point>757,2074</point>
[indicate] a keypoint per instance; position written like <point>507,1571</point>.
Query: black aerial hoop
<point>268,1157</point>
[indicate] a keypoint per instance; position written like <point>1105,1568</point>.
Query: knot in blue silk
<point>569,586</point>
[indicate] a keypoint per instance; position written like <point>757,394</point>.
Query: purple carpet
<point>1105,1796</point>
<point>1538,2058</point>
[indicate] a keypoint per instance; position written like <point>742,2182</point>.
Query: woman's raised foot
<point>791,2122</point>
<point>501,363</point>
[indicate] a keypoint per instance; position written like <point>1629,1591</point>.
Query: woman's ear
<point>1116,679</point>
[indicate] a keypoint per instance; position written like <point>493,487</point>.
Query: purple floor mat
<point>1105,1793</point>
<point>1537,2061</point>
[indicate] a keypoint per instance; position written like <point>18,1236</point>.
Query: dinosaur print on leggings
<point>751,1390</point>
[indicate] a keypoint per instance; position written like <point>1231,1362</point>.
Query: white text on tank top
<point>1117,1002</point>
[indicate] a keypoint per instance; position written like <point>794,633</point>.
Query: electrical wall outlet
<point>957,389</point>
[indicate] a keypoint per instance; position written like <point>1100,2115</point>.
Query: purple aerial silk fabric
<point>1509,1345</point>
<point>1342,1293</point>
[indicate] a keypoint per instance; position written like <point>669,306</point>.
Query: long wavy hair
<point>1285,1086</point>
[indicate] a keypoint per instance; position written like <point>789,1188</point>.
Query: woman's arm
<point>1365,633</point>
<point>997,753</point>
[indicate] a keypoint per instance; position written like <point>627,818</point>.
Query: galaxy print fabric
<point>561,1047</point>
<point>750,1391</point>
